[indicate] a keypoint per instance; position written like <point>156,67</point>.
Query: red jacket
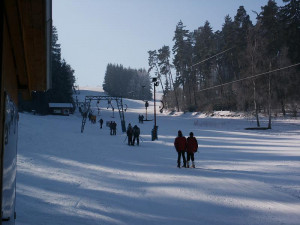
<point>180,144</point>
<point>191,144</point>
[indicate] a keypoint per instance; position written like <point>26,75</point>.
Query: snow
<point>241,176</point>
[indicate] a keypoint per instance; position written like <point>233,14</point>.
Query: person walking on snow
<point>136,135</point>
<point>129,134</point>
<point>111,127</point>
<point>191,148</point>
<point>114,128</point>
<point>101,123</point>
<point>180,146</point>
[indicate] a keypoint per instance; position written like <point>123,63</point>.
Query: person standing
<point>101,123</point>
<point>191,148</point>
<point>180,146</point>
<point>136,135</point>
<point>111,127</point>
<point>129,134</point>
<point>114,128</point>
<point>142,118</point>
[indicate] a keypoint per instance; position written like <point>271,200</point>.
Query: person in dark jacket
<point>180,146</point>
<point>114,128</point>
<point>111,127</point>
<point>101,123</point>
<point>129,134</point>
<point>136,135</point>
<point>191,148</point>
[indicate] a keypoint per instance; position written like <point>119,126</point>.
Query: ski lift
<point>126,107</point>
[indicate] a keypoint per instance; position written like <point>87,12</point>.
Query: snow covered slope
<point>241,177</point>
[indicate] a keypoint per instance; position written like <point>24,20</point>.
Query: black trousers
<point>137,140</point>
<point>190,156</point>
<point>181,153</point>
<point>129,140</point>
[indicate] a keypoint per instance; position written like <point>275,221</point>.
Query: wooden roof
<point>26,46</point>
<point>60,105</point>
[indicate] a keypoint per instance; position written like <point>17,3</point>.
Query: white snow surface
<point>242,177</point>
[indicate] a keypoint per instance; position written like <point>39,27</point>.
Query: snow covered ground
<point>241,177</point>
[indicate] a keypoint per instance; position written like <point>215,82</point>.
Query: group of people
<point>141,118</point>
<point>182,145</point>
<point>113,128</point>
<point>186,145</point>
<point>133,133</point>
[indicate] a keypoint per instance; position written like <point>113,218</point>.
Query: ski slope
<point>241,177</point>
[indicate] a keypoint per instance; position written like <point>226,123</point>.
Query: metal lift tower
<point>87,104</point>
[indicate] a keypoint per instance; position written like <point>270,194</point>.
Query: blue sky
<point>93,33</point>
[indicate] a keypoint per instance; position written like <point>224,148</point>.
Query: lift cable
<point>254,76</point>
<point>212,57</point>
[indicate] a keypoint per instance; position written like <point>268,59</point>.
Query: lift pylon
<point>119,101</point>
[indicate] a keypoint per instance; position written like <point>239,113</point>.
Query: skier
<point>101,123</point>
<point>180,146</point>
<point>191,148</point>
<point>129,134</point>
<point>136,135</point>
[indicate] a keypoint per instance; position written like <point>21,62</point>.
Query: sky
<point>93,33</point>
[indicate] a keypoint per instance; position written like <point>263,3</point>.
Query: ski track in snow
<point>241,177</point>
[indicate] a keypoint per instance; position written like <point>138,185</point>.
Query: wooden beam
<point>15,35</point>
<point>33,20</point>
<point>26,31</point>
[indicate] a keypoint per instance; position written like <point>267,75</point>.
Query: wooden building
<point>64,109</point>
<point>25,39</point>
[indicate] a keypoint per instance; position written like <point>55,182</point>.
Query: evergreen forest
<point>63,78</point>
<point>127,82</point>
<point>242,67</point>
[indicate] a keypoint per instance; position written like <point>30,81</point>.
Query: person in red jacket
<point>191,148</point>
<point>180,146</point>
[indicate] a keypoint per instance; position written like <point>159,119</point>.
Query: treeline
<point>127,82</point>
<point>203,59</point>
<point>63,78</point>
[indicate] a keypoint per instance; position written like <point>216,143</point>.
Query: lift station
<point>109,99</point>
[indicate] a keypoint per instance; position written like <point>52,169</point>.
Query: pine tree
<point>182,51</point>
<point>179,51</point>
<point>165,69</point>
<point>62,74</point>
<point>290,14</point>
<point>271,28</point>
<point>204,48</point>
